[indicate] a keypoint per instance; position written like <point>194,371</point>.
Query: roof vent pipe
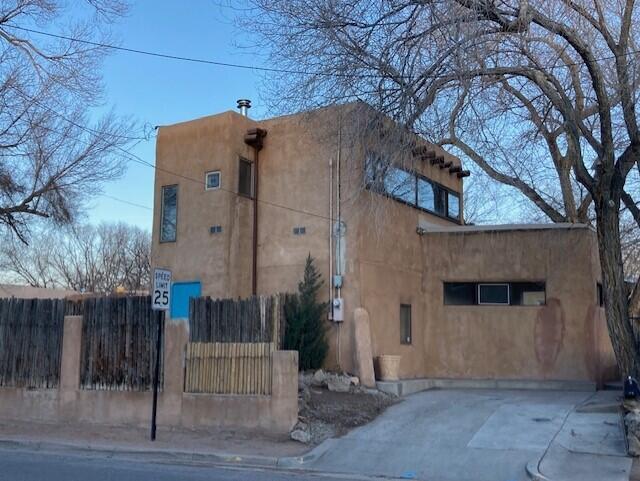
<point>244,105</point>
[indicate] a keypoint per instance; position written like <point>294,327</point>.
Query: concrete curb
<point>292,464</point>
<point>131,453</point>
<point>534,472</point>
<point>300,461</point>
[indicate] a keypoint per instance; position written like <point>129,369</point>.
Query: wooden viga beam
<point>446,165</point>
<point>464,173</point>
<point>437,160</point>
<point>455,169</point>
<point>419,150</point>
<point>430,155</point>
<point>423,152</point>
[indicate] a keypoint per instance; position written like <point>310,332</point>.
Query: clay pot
<point>388,367</point>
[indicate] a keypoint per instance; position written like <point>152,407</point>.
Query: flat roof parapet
<point>428,228</point>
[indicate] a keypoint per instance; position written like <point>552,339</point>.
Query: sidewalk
<point>589,447</point>
<point>449,435</point>
<point>486,435</point>
<point>177,445</point>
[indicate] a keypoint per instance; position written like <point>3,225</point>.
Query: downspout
<point>255,138</point>
<point>254,262</point>
<point>331,237</point>
<point>339,224</point>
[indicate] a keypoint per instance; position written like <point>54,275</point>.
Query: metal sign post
<point>160,301</point>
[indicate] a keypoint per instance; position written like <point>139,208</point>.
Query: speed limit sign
<point>161,295</point>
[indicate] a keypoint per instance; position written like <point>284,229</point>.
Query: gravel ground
<point>324,414</point>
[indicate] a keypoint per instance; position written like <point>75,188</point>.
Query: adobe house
<point>240,203</point>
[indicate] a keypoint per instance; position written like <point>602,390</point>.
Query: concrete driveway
<point>480,435</point>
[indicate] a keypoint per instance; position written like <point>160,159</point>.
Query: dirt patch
<point>324,413</point>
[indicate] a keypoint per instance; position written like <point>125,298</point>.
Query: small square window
<point>497,294</point>
<point>245,178</point>
<point>405,323</point>
<point>212,180</point>
<point>215,229</point>
<point>299,230</point>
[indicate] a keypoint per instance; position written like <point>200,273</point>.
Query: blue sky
<point>159,91</point>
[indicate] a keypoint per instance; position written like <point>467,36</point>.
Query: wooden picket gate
<point>231,342</point>
<point>229,367</point>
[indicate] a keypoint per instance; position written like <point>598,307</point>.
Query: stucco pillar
<point>70,367</point>
<point>176,336</point>
<point>363,357</point>
<point>70,362</point>
<point>284,390</point>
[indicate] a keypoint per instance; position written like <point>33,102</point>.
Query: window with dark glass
<point>374,173</point>
<point>600,295</point>
<point>400,184</point>
<point>212,180</point>
<point>495,293</point>
<point>405,323</point>
<point>453,205</point>
<point>245,178</point>
<point>426,194</point>
<point>440,200</point>
<point>410,188</point>
<point>460,293</point>
<point>169,213</point>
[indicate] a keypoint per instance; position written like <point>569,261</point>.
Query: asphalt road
<point>18,465</point>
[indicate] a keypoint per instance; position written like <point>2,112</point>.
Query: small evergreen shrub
<point>306,329</point>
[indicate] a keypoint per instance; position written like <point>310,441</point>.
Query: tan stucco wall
<point>276,413</point>
<point>222,262</point>
<point>564,340</point>
<point>294,190</point>
<point>386,262</point>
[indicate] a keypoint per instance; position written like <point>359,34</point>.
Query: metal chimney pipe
<point>244,105</point>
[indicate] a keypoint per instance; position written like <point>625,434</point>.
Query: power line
<point>128,202</point>
<point>255,67</point>
<point>76,124</point>
<point>189,59</point>
<point>135,158</point>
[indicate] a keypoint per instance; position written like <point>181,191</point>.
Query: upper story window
<point>212,180</point>
<point>245,177</point>
<point>400,184</point>
<point>411,188</point>
<point>169,213</point>
<point>453,205</point>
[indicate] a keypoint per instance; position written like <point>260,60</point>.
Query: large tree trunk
<point>615,295</point>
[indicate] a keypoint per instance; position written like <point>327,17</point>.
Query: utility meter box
<point>337,308</point>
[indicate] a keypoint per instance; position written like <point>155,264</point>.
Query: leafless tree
<point>101,259</point>
<point>52,157</point>
<point>540,94</point>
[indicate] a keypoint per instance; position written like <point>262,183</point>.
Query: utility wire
<point>133,157</point>
<point>128,202</point>
<point>130,156</point>
<point>189,59</point>
<point>255,67</point>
